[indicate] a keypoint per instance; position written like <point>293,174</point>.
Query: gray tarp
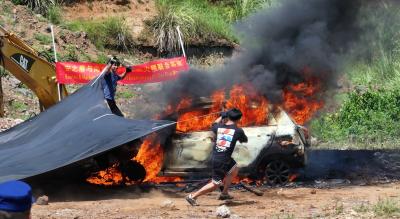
<point>79,127</point>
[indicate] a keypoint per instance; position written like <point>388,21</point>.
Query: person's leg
<point>209,187</point>
<point>231,172</point>
<point>228,179</point>
<point>114,108</point>
<point>117,111</point>
<point>216,181</point>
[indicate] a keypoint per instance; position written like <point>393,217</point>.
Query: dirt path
<point>344,202</point>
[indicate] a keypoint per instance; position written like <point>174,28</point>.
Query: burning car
<point>271,153</point>
<point>275,147</point>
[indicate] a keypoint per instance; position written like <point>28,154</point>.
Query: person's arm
<point>214,128</point>
<point>243,137</point>
<point>218,120</point>
<point>127,70</point>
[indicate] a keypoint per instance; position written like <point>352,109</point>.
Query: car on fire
<point>271,154</point>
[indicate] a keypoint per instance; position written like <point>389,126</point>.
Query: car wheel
<point>133,170</point>
<point>277,172</point>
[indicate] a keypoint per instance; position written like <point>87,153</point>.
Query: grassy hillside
<point>369,113</point>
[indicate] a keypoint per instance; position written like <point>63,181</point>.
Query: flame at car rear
<point>151,156</point>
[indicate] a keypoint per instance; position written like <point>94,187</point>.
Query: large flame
<point>301,100</point>
<point>151,156</point>
<point>244,97</point>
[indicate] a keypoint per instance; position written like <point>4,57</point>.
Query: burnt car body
<point>271,153</point>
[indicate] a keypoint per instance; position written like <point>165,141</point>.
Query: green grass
<point>363,208</point>
<point>54,14</point>
<point>101,58</point>
<point>199,20</point>
<point>236,10</point>
<point>6,9</point>
<point>377,58</point>
<point>108,33</point>
<point>196,19</point>
<point>43,38</point>
<point>18,106</point>
<point>387,208</point>
<point>125,94</point>
<point>339,208</point>
<point>368,115</point>
<point>39,6</point>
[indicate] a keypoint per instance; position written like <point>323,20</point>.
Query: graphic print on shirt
<point>224,139</point>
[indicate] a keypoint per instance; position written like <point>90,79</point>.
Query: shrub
<point>387,208</point>
<point>43,38</point>
<point>39,6</point>
<point>101,58</point>
<point>109,33</point>
<point>54,14</point>
<point>164,25</point>
<point>198,20</point>
<point>238,9</point>
<point>371,116</point>
<point>71,54</point>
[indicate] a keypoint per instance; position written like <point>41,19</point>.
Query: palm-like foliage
<point>39,6</point>
<point>164,25</point>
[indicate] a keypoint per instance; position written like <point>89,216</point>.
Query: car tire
<point>277,172</point>
<point>133,170</point>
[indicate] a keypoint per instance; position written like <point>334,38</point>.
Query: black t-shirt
<point>226,138</point>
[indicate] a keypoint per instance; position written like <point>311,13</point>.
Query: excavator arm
<point>25,64</point>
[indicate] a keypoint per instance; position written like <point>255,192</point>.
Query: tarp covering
<point>79,127</point>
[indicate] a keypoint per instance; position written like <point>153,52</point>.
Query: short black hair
<point>234,114</point>
<point>116,63</point>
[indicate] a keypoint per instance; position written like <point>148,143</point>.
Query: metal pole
<point>55,59</point>
<point>181,41</point>
<point>105,69</point>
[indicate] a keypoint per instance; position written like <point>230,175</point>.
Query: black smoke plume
<point>278,44</point>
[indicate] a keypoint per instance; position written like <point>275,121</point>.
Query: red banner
<point>154,71</point>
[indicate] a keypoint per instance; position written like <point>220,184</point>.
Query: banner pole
<point>181,41</point>
<point>55,59</point>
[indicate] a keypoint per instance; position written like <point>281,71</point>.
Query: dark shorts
<point>220,168</point>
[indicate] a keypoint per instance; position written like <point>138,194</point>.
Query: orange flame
<point>151,156</point>
<point>108,177</point>
<point>244,97</point>
<point>301,100</point>
<point>253,105</point>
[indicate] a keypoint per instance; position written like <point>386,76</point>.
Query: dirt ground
<point>340,202</point>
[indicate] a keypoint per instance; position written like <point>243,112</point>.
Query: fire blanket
<point>79,127</point>
<point>154,71</point>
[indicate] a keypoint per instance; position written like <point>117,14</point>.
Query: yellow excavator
<point>26,65</point>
